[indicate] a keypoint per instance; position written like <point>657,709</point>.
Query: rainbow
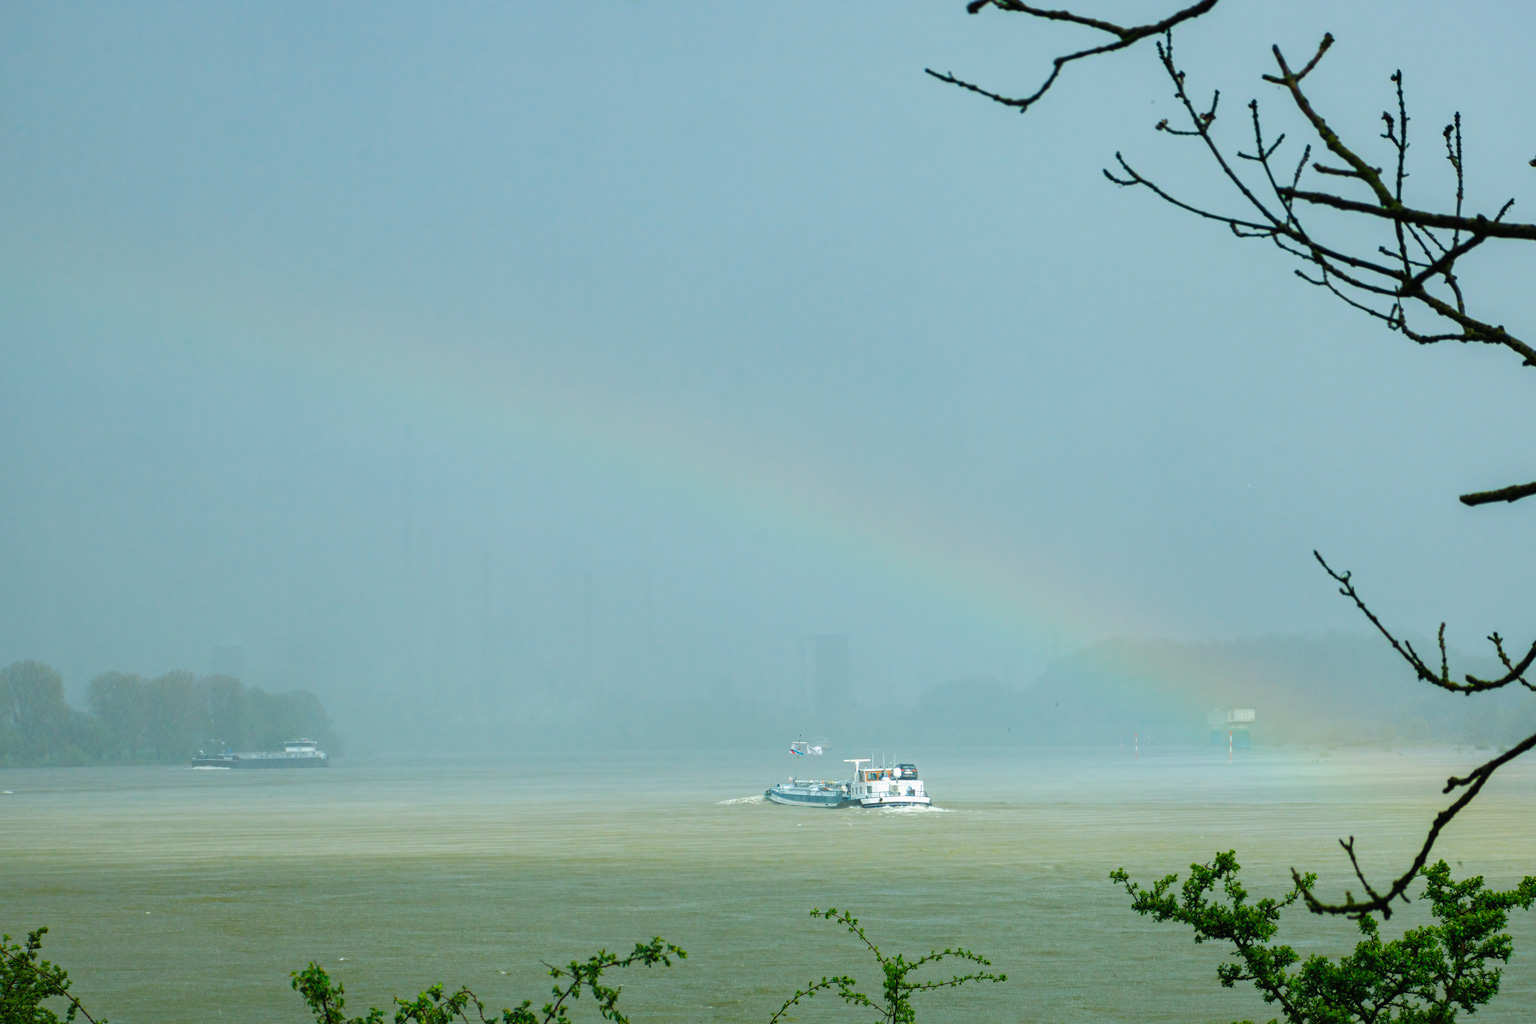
<point>487,384</point>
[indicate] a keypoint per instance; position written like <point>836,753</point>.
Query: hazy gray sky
<point>540,346</point>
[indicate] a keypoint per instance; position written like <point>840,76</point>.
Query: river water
<point>181,895</point>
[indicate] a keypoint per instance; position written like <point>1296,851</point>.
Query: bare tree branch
<point>1381,902</point>
<point>1514,673</point>
<point>1514,493</point>
<point>1442,679</point>
<point>1124,37</point>
<point>1421,263</point>
<point>1364,171</point>
<point>1423,218</point>
<point>1415,271</point>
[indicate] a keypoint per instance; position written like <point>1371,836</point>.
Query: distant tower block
<point>831,657</point>
<point>1234,722</point>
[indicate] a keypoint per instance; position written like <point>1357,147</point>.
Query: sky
<point>571,350</point>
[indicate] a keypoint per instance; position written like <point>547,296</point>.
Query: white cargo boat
<point>885,786</point>
<point>295,754</point>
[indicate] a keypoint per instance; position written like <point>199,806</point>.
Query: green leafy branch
<point>26,981</point>
<point>1425,977</point>
<point>895,1005</point>
<point>327,1001</point>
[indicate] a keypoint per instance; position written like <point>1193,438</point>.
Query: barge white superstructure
<point>898,786</point>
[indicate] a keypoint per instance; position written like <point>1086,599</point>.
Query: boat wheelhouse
<point>898,786</point>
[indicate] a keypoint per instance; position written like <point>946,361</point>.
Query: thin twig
<point>1124,37</point>
<point>1382,902</point>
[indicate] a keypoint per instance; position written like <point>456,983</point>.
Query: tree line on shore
<point>133,720</point>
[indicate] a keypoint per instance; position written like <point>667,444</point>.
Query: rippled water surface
<point>178,895</point>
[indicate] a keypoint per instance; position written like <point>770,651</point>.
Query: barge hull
<point>830,800</point>
<point>260,762</point>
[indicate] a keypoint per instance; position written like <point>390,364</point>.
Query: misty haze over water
<point>470,369</point>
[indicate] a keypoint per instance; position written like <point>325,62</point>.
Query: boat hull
<point>797,796</point>
<point>894,801</point>
<point>249,762</point>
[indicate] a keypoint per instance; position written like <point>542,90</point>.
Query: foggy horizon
<point>542,354</point>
